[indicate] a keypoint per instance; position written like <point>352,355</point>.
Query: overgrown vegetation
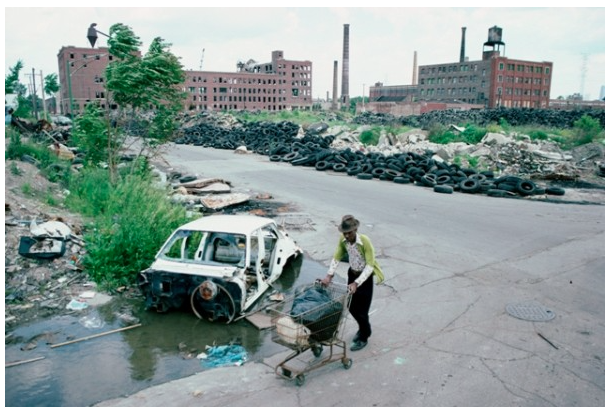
<point>131,220</point>
<point>585,130</point>
<point>298,117</point>
<point>129,217</point>
<point>370,136</point>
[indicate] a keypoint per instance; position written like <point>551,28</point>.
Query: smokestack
<point>414,81</point>
<point>335,70</point>
<point>345,73</point>
<point>463,48</point>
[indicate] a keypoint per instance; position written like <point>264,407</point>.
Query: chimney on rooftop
<point>463,48</point>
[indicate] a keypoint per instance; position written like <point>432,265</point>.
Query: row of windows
<point>248,81</point>
<point>455,79</point>
<point>517,79</point>
<point>86,56</point>
<point>521,104</point>
<point>473,91</point>
<point>519,92</point>
<point>451,68</point>
<point>525,68</point>
<point>243,91</point>
<point>231,98</point>
<point>448,92</point>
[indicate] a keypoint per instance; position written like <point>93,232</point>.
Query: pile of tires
<point>279,141</point>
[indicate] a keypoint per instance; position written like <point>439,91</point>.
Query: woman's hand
<point>327,280</point>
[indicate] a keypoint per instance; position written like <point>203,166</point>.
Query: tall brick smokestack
<point>463,47</point>
<point>345,73</point>
<point>335,74</point>
<point>414,81</point>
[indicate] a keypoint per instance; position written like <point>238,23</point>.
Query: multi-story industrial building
<point>81,77</point>
<point>275,86</point>
<point>495,81</point>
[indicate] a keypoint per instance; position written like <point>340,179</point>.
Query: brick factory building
<point>275,86</point>
<point>495,81</point>
<point>81,77</point>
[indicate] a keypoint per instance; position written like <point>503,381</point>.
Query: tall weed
<point>136,220</point>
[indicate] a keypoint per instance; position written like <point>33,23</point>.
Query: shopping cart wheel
<point>347,363</point>
<point>300,380</point>
<point>317,350</point>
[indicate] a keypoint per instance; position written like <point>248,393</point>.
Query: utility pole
<point>44,103</point>
<point>201,62</point>
<point>35,106</point>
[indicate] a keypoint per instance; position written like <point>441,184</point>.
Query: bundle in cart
<point>312,318</point>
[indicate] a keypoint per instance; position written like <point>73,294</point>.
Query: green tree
<point>51,85</point>
<point>139,83</point>
<point>11,81</point>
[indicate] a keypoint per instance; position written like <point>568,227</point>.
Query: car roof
<point>241,224</point>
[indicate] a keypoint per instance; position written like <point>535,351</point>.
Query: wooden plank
<point>260,319</point>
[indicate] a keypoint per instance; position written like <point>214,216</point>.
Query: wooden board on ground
<point>260,319</point>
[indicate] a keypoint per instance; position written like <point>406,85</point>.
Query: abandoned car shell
<point>219,265</point>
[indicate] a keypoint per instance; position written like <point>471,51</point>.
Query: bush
<point>472,134</point>
<point>90,134</point>
<point>370,136</point>
<point>586,129</point>
<point>134,222</point>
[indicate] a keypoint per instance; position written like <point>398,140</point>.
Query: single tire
<point>443,189</point>
<point>347,363</point>
<point>322,165</point>
<point>558,191</point>
<point>402,180</point>
<point>470,185</point>
<point>300,380</point>
<point>526,187</point>
<point>187,178</point>
<point>429,180</point>
<point>291,156</point>
<point>443,179</point>
<point>317,350</point>
<point>364,176</point>
<point>339,167</point>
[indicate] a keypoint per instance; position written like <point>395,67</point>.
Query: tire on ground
<point>443,189</point>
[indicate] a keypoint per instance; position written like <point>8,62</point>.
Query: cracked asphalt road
<point>441,334</point>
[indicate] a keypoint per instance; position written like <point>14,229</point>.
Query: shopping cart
<point>311,318</point>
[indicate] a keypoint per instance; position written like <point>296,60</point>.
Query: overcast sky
<point>383,39</point>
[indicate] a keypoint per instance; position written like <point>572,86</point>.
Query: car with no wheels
<point>218,265</point>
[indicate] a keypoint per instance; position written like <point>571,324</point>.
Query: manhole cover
<point>530,311</point>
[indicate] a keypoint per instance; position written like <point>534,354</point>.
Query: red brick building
<point>274,86</point>
<point>81,77</point>
<point>495,81</point>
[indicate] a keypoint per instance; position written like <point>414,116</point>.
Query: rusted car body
<point>218,265</point>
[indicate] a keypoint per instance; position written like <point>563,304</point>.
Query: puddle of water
<point>163,349</point>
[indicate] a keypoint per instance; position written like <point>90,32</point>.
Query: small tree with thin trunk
<point>137,83</point>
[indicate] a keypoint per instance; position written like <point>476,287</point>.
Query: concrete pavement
<point>442,338</point>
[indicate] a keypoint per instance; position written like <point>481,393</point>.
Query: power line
<point>583,74</point>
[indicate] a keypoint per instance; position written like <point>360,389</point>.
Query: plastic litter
<point>76,305</point>
<point>223,356</point>
<point>91,322</point>
<point>50,229</point>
